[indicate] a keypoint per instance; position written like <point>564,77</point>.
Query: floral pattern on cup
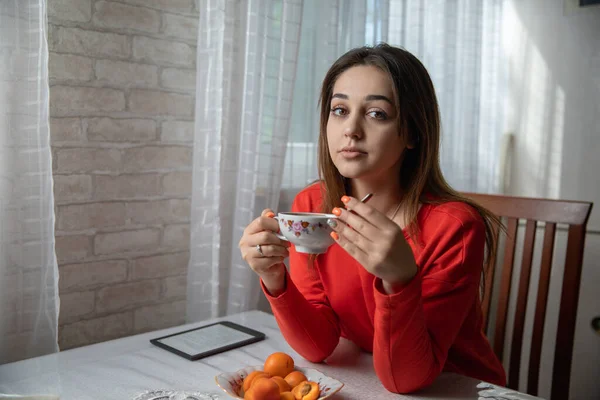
<point>303,227</point>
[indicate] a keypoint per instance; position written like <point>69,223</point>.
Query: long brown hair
<point>421,179</point>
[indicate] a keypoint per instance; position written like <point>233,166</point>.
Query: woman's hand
<point>265,252</point>
<point>375,241</point>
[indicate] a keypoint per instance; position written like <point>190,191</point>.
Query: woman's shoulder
<point>310,198</point>
<point>453,213</point>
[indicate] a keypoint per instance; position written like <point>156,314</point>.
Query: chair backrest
<point>575,214</point>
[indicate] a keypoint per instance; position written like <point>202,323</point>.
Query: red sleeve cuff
<point>408,293</point>
<point>286,297</point>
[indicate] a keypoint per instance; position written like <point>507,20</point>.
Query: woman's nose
<point>353,129</point>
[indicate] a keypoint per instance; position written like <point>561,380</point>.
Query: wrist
<point>274,281</point>
<point>392,286</point>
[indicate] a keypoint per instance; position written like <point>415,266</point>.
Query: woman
<point>402,280</point>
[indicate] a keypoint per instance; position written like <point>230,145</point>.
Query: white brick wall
<point>139,159</point>
<point>158,212</point>
<point>73,247</point>
<point>127,241</point>
<point>153,267</point>
<point>125,187</point>
<point>88,159</point>
<point>122,76</point>
<point>177,184</point>
<point>66,129</point>
<point>125,74</point>
<point>68,100</point>
<point>92,275</point>
<point>181,6</point>
<point>77,217</point>
<point>121,130</point>
<point>180,26</point>
<point>70,67</point>
<point>176,235</point>
<point>128,295</point>
<point>177,131</point>
<point>120,16</point>
<point>183,79</point>
<point>162,52</point>
<point>86,331</point>
<point>154,102</point>
<point>160,316</point>
<point>70,10</point>
<point>72,188</point>
<point>88,42</point>
<point>76,304</point>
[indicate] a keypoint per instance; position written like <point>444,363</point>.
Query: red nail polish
<point>335,236</point>
<point>345,199</point>
<point>336,211</point>
<point>270,215</point>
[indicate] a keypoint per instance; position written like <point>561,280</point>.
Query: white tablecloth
<point>123,368</point>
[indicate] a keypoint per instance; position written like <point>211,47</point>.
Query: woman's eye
<point>377,114</point>
<point>339,111</point>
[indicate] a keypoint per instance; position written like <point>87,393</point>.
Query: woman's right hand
<point>260,234</point>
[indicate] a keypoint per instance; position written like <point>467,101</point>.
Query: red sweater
<point>433,324</point>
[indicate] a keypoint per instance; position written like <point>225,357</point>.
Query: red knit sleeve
<point>415,328</point>
<point>302,311</point>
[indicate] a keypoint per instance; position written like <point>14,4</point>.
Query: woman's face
<point>362,130</point>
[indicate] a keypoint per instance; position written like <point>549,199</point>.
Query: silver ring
<point>259,250</point>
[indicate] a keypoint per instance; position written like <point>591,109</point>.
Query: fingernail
<point>270,214</point>
<point>335,236</point>
<point>332,222</point>
<point>345,199</point>
<point>337,211</point>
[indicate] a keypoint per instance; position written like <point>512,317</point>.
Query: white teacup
<point>308,232</point>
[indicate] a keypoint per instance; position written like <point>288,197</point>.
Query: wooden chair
<point>575,214</point>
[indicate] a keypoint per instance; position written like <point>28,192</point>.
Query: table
<point>123,368</point>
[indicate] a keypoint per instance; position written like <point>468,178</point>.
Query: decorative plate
<point>175,395</point>
<point>231,382</point>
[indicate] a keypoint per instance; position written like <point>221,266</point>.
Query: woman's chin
<point>353,173</point>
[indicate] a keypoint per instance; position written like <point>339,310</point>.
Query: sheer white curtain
<point>246,64</point>
<point>28,270</point>
<point>459,42</point>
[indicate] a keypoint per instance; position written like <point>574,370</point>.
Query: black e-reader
<point>208,340</point>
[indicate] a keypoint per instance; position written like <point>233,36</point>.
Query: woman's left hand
<point>375,241</point>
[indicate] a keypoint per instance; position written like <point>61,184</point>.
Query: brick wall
<point>122,84</point>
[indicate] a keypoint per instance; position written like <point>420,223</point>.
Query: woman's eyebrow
<point>371,97</point>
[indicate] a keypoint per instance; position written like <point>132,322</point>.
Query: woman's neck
<point>386,193</point>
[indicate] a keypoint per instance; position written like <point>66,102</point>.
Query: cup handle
<point>279,235</point>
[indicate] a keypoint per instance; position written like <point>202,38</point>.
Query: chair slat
<point>561,373</point>
<point>540,309</point>
<point>489,282</point>
<point>517,338</point>
<point>507,267</point>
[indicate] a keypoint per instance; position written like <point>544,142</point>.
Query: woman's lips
<point>352,153</point>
